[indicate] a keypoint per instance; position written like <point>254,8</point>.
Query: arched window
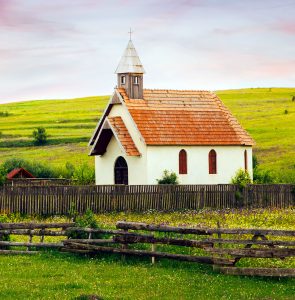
<point>121,171</point>
<point>246,160</point>
<point>212,162</point>
<point>182,162</point>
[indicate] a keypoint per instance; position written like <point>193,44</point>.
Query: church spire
<point>130,62</point>
<point>130,72</point>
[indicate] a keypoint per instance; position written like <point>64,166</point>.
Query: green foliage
<point>86,220</point>
<point>241,178</point>
<point>261,176</point>
<point>4,113</point>
<point>40,136</point>
<point>38,169</point>
<point>168,178</point>
<point>286,111</point>
<point>84,174</point>
<point>3,174</point>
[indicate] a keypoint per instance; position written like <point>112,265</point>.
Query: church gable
<point>114,126</point>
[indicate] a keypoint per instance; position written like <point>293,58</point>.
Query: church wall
<point>229,160</point>
<point>104,165</point>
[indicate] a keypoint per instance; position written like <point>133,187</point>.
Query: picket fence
<point>58,200</point>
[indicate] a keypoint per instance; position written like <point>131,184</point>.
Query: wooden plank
<point>269,272</point>
<point>17,252</point>
<point>34,225</point>
<point>201,230</point>
<point>130,238</point>
<point>252,252</point>
<point>96,249</point>
<point>30,244</point>
<point>253,242</point>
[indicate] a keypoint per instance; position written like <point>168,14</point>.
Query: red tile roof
<point>123,135</point>
<point>24,173</point>
<point>172,117</point>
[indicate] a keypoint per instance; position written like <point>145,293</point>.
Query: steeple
<point>130,72</point>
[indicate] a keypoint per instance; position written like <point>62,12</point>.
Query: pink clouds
<point>286,27</point>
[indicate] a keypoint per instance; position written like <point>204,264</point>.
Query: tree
<point>40,136</point>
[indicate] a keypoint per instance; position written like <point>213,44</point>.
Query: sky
<point>70,48</point>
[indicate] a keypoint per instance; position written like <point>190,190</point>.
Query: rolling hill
<point>268,114</point>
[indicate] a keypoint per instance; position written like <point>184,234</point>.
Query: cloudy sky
<point>70,48</point>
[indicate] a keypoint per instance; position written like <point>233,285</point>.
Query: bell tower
<point>130,72</point>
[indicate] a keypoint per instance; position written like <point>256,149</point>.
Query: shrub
<point>4,113</point>
<point>262,176</point>
<point>40,136</point>
<point>86,221</point>
<point>37,169</point>
<point>84,174</point>
<point>3,173</point>
<point>168,178</point>
<point>242,178</point>
<point>286,111</point>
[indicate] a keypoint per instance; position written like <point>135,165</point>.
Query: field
<point>268,114</point>
<point>63,276</point>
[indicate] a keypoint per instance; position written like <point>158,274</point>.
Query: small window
<point>182,162</point>
<point>135,80</point>
<point>123,79</point>
<point>212,162</point>
<point>246,160</point>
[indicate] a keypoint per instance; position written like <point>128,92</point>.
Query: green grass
<point>70,124</point>
<point>52,275</point>
<point>262,113</point>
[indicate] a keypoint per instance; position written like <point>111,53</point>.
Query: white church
<point>144,132</point>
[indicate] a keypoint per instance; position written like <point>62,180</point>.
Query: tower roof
<point>130,62</point>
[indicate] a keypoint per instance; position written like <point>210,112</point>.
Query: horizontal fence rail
<point>59,200</point>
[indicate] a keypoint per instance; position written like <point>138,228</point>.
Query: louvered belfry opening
<point>182,162</point>
<point>212,162</point>
<point>121,171</point>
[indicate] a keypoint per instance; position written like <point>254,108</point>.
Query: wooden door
<point>121,171</point>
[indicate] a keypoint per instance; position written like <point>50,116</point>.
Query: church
<point>143,132</point>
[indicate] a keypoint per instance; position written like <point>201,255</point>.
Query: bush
<point>40,136</point>
<point>168,178</point>
<point>37,169</point>
<point>241,178</point>
<point>262,176</point>
<point>86,221</point>
<point>83,174</point>
<point>3,174</point>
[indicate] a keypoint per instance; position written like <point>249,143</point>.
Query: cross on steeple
<point>130,34</point>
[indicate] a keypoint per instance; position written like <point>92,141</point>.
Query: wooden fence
<point>220,247</point>
<point>58,200</point>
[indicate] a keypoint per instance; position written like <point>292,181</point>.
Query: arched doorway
<point>121,171</point>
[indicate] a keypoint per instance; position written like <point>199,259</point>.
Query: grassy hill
<point>267,114</point>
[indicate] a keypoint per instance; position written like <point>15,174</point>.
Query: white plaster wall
<point>229,160</point>
<point>104,165</point>
<point>122,111</point>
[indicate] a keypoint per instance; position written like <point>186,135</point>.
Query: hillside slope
<point>268,114</point>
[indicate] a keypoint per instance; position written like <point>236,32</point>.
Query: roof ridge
<point>234,123</point>
<point>176,90</point>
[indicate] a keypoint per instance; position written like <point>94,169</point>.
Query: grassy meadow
<point>268,114</point>
<point>53,275</point>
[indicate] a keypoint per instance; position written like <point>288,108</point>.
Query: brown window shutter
<point>246,160</point>
<point>182,162</point>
